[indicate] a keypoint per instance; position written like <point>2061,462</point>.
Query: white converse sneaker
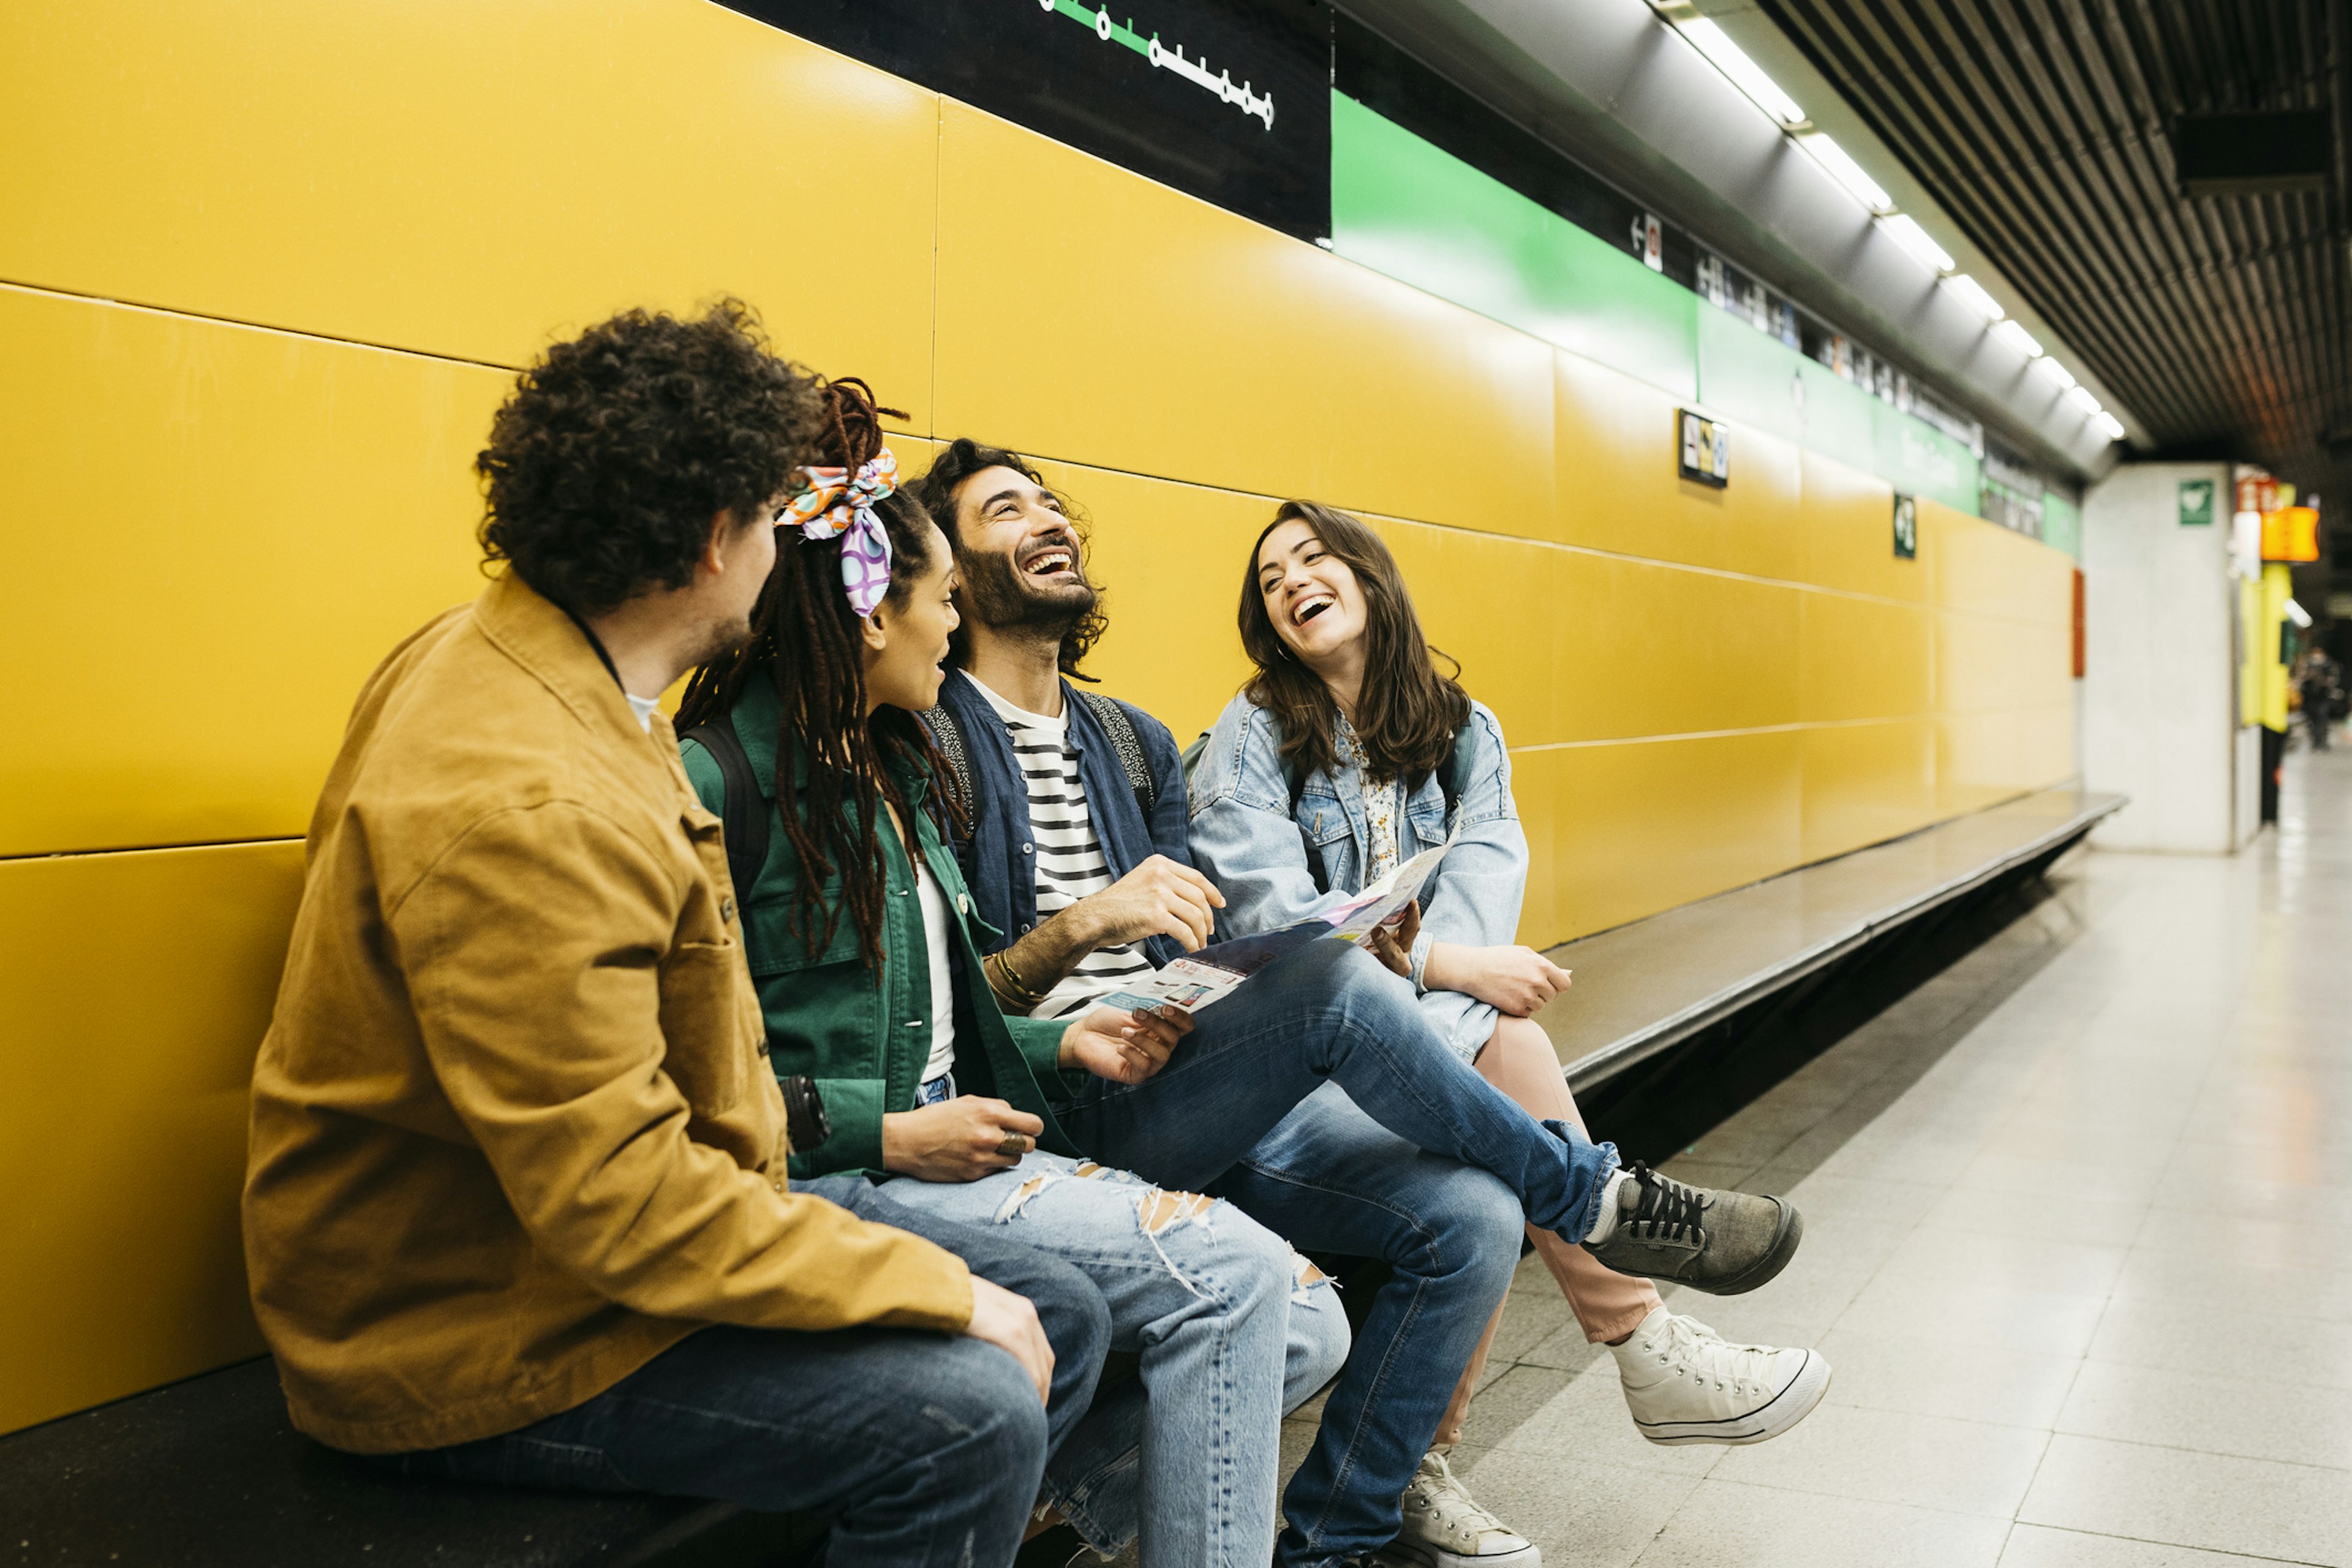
<point>1685,1383</point>
<point>1445,1527</point>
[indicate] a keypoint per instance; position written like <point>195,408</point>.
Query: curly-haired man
<point>516,1207</point>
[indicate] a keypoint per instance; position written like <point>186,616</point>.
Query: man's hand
<point>1008,1321</point>
<point>1518,980</point>
<point>1158,897</point>
<point>1125,1047</point>
<point>959,1140</point>
<point>1392,944</point>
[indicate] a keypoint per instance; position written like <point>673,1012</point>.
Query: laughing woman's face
<point>1311,595</point>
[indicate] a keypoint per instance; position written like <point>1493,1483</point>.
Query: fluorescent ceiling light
<point>2113,426</point>
<point>2080,397</point>
<point>2018,338</point>
<point>2297,614</point>
<point>1905,231</point>
<point>1973,292</point>
<point>2056,372</point>
<point>1846,171</point>
<point>1746,74</point>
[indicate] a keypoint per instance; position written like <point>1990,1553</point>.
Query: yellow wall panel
<point>469,179</point>
<point>1985,758</point>
<point>1985,569</point>
<point>1850,535</point>
<point>133,991</point>
<point>1566,644</point>
<point>1632,828</point>
<point>1985,666</point>
<point>1089,315</point>
<point>1866,659</point>
<point>1619,489</point>
<point>1865,783</point>
<point>216,533</point>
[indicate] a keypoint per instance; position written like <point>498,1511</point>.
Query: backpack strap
<point>745,820</point>
<point>948,736</point>
<point>1111,714</point>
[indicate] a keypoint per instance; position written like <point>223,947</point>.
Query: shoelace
<point>1687,1344</point>
<point>1667,1207</point>
<point>1451,1502</point>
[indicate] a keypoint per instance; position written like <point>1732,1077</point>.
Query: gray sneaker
<point>1708,1239</point>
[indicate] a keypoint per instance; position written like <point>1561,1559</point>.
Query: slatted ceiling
<point>2041,126</point>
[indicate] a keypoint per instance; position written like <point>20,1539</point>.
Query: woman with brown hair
<point>1348,753</point>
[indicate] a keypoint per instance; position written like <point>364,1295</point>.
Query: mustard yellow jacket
<point>513,1131</point>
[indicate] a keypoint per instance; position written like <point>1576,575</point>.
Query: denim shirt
<point>1000,860</point>
<point>1245,841</point>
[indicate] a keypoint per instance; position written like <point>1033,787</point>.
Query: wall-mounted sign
<point>2196,503</point>
<point>1703,449</point>
<point>1906,528</point>
<point>2290,533</point>
<point>1229,101</point>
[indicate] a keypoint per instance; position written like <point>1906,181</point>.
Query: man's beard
<point>1004,599</point>
<point>722,640</point>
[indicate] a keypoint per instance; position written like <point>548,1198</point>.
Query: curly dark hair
<point>937,491</point>
<point>617,449</point>
<point>806,641</point>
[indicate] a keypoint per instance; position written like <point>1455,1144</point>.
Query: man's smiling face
<point>1022,560</point>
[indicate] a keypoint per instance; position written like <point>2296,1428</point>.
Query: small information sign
<point>2196,503</point>
<point>1907,527</point>
<point>1703,449</point>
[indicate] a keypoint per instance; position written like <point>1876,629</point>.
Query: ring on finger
<point>1013,1145</point>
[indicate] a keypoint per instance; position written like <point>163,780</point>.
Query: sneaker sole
<point>1788,1407</point>
<point>1765,1269</point>
<point>1394,1555</point>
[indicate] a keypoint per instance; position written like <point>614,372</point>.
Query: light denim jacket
<point>1243,840</point>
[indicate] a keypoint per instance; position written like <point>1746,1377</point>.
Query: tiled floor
<point>2079,1244</point>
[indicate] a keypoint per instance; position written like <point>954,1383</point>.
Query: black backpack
<point>745,820</point>
<point>1111,714</point>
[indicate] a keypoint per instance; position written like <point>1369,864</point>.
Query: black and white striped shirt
<point>1069,857</point>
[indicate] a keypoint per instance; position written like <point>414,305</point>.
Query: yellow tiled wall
<point>266,269</point>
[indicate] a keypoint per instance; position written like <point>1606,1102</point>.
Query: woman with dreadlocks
<point>865,954</point>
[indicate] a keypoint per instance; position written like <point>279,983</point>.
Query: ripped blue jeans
<point>1234,1331</point>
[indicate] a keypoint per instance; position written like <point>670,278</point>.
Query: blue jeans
<point>1230,1334</point>
<point>1331,1012</point>
<point>1332,1179</point>
<point>1420,1161</point>
<point>923,1447</point>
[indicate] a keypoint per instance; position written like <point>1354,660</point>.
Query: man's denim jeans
<point>1378,1170</point>
<point>1232,1333</point>
<point>923,1447</point>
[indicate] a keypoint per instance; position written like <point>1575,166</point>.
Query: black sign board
<point>1702,448</point>
<point>1907,527</point>
<point>1226,100</point>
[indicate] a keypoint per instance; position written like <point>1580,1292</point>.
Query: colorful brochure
<point>1198,979</point>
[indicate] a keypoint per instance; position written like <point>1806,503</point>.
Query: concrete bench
<point>1649,986</point>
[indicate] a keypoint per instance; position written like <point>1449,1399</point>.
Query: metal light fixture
<point>1746,74</point>
<point>2018,338</point>
<point>1846,171</point>
<point>1973,293</point>
<point>2056,372</point>
<point>1905,231</point>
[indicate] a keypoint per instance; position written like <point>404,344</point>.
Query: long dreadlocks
<point>806,638</point>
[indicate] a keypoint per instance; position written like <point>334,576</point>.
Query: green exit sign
<point>2196,503</point>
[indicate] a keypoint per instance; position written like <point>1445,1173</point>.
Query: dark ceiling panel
<point>2044,127</point>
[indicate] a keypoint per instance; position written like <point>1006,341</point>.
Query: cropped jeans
<point>1419,1161</point>
<point>923,1447</point>
<point>1234,1331</point>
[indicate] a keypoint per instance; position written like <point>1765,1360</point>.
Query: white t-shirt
<point>642,707</point>
<point>937,934</point>
<point>1069,857</point>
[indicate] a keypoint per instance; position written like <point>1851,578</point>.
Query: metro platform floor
<point>2078,1245</point>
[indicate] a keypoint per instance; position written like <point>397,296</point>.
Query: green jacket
<point>864,1036</point>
